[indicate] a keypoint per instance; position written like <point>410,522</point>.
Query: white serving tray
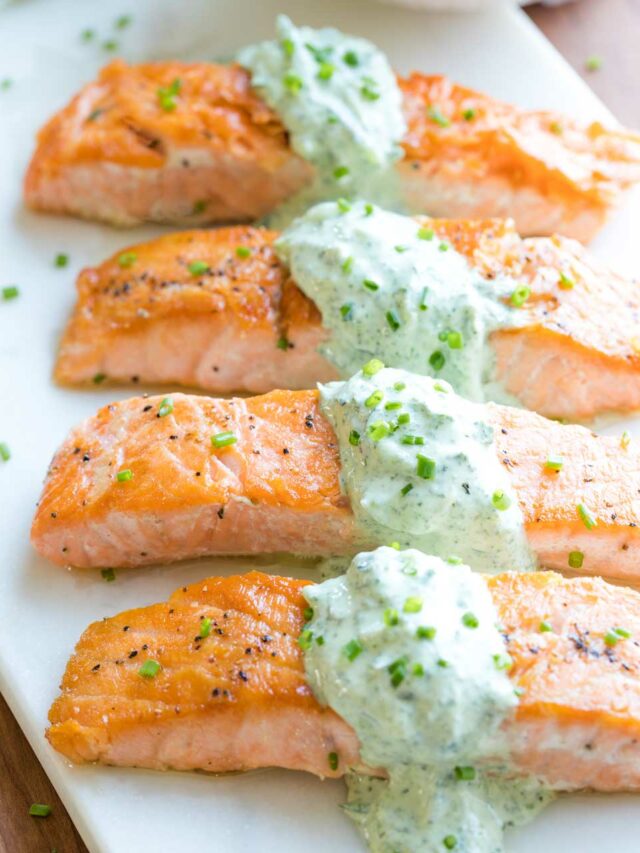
<point>43,609</point>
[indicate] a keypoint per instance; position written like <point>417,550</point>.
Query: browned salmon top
<point>577,723</point>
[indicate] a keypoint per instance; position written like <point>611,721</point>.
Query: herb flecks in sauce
<point>338,98</point>
<point>430,311</point>
<point>450,507</point>
<point>435,729</point>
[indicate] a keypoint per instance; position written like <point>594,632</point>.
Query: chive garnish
<point>288,47</point>
<point>565,282</point>
<point>502,662</point>
<point>340,172</point>
<point>125,475</point>
<point>437,360</point>
<point>167,95</point>
<point>614,635</point>
<point>425,467</point>
<point>425,233</point>
<point>625,440</point>
<point>200,206</point>
<point>425,632</point>
<point>413,604</point>
<point>368,209</point>
<point>10,292</point>
<point>412,440</point>
<point>346,311</point>
<point>88,35</point>
<point>400,249</point>
<point>99,378</point>
<point>347,264</point>
<point>354,438</point>
<point>344,206</point>
<point>108,575</point>
<point>374,399</point>
<point>554,463</point>
<point>350,58</point>
<point>371,285</point>
<point>292,82</point>
<point>368,90</point>
<point>393,320</point>
<point>305,639</point>
<point>469,114</point>
<point>5,451</point>
<point>372,367</point>
<point>205,627</point>
<point>423,299</point>
<point>545,627</point>
<point>243,252</point>
<point>465,774</point>
<point>397,670</point>
<point>198,267</point>
<point>406,489</point>
<point>404,418</point>
<point>450,842</point>
<point>61,260</point>
<point>110,45</point>
<point>307,613</point>
<point>282,343</point>
<point>520,295</point>
<point>39,810</point>
<point>587,518</point>
<point>454,339</point>
<point>378,430</point>
<point>593,63</point>
<point>333,760</point>
<point>149,669</point>
<point>390,617</point>
<point>399,386</point>
<point>500,500</point>
<point>123,22</point>
<point>392,407</point>
<point>325,71</point>
<point>127,259</point>
<point>166,407</point>
<point>576,559</point>
<point>223,439</point>
<point>470,620</point>
<point>352,649</point>
<point>435,114</point>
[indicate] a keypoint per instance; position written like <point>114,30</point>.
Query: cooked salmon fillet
<point>114,153</point>
<point>217,309</point>
<point>277,488</point>
<point>237,699</point>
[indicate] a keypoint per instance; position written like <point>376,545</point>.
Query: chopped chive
<point>392,407</point>
<point>393,320</point>
<point>99,378</point>
<point>352,649</point>
<point>350,58</point>
<point>292,82</point>
<point>502,661</point>
<point>450,842</point>
<point>378,430</point>
<point>223,439</point>
<point>346,311</point>
<point>593,63</point>
<point>470,620</point>
<point>413,604</point>
<point>243,252</point>
<point>368,209</point>
<point>95,114</point>
<point>371,285</point>
<point>344,206</point>
<point>88,35</point>
<point>436,116</point>
<point>425,467</point>
<point>305,639</point>
<point>39,810</point>
<point>368,92</point>
<point>423,299</point>
<point>288,47</point>
<point>400,249</point>
<point>374,399</point>
<point>399,386</point>
<point>520,295</point>
<point>465,774</point>
<point>390,617</point>
<point>406,489</point>
<point>576,559</point>
<point>442,663</point>
<point>587,518</point>
<point>347,264</point>
<point>565,282</point>
<point>110,45</point>
<point>469,114</point>
<point>412,440</point>
<point>354,438</point>
<point>6,84</point>
<point>149,669</point>
<point>443,247</point>
<point>372,367</point>
<point>545,627</point>
<point>404,418</point>
<point>108,575</point>
<point>425,234</point>
<point>10,292</point>
<point>622,632</point>
<point>625,440</point>
<point>200,206</point>
<point>333,760</point>
<point>340,172</point>
<point>417,669</point>
<point>166,407</point>
<point>5,451</point>
<point>198,267</point>
<point>282,343</point>
<point>614,635</point>
<point>308,614</point>
<point>61,260</point>
<point>500,500</point>
<point>397,670</point>
<point>205,627</point>
<point>454,339</point>
<point>554,463</point>
<point>325,71</point>
<point>123,22</point>
<point>127,259</point>
<point>437,360</point>
<point>320,640</point>
<point>125,475</point>
<point>394,545</point>
<point>425,632</point>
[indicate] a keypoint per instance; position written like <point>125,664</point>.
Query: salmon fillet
<point>277,489</point>
<point>114,154</point>
<point>240,324</point>
<point>238,698</point>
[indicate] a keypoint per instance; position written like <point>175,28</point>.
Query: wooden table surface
<point>605,28</point>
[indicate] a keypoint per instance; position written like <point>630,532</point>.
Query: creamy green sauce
<point>387,287</point>
<point>406,649</point>
<point>420,468</point>
<point>338,98</point>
